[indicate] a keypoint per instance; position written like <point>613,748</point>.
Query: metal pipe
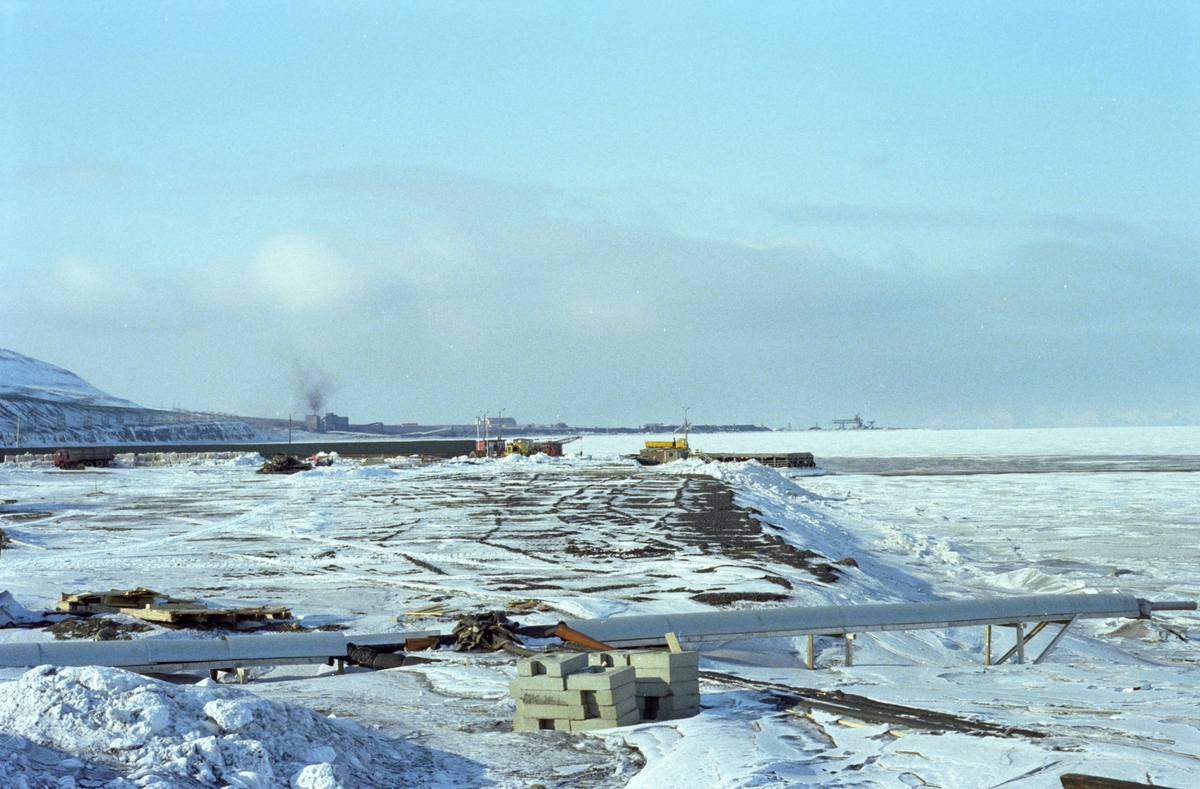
<point>145,654</point>
<point>710,626</point>
<point>1172,605</point>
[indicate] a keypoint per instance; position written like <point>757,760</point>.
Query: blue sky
<point>935,214</point>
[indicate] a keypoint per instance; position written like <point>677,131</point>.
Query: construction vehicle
<point>527,446</point>
<point>83,456</point>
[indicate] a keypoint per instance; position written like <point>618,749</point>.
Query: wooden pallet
<point>162,609</point>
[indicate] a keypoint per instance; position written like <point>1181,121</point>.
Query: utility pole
<point>289,428</point>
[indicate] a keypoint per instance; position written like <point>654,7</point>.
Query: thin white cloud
<point>298,273</point>
<point>77,285</point>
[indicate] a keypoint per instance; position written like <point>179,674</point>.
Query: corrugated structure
<point>434,447</point>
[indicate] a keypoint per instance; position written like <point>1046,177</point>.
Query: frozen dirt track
<point>371,542</point>
<point>360,545</point>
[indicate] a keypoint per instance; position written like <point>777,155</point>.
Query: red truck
<point>83,456</point>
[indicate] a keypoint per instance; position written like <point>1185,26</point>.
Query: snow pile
<point>13,613</point>
<point>164,735</point>
<point>1030,580</point>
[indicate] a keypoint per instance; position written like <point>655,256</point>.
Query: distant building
<point>334,422</point>
<point>312,423</point>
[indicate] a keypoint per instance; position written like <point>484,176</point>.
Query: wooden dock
<point>773,460</point>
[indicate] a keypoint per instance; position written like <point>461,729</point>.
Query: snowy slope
<point>23,377</point>
<point>53,406</point>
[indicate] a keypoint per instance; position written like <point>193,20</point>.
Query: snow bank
<point>164,735</point>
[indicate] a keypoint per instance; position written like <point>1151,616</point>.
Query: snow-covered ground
<point>597,536</point>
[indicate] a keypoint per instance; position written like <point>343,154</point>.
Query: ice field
<point>925,515</point>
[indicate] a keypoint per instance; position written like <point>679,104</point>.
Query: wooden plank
<point>163,609</point>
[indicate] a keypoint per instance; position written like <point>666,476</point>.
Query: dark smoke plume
<point>315,388</point>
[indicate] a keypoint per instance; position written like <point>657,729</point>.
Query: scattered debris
<point>527,605</point>
<point>98,629</point>
<point>729,598</point>
<point>376,656</point>
<point>433,609</point>
<point>284,464</point>
<point>847,562</point>
<point>292,626</point>
<point>164,610</point>
<point>485,633</point>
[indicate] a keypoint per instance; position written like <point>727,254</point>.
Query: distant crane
<point>856,423</point>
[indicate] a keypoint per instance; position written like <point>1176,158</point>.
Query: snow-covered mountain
<point>51,406</point>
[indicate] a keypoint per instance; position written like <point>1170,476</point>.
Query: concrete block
<point>653,687</point>
<point>592,709</point>
<point>672,703</point>
<point>562,698</point>
<point>616,696</point>
<point>610,659</point>
<point>601,678</point>
<point>657,659</point>
<point>542,682</point>
<point>571,698</point>
<point>524,723</point>
<point>554,666</point>
<point>669,675</point>
<point>628,719</point>
<point>668,707</point>
<point>568,712</point>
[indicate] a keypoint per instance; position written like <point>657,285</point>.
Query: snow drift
<point>163,735</point>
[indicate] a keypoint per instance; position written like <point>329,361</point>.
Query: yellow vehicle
<point>522,446</point>
<point>656,452</point>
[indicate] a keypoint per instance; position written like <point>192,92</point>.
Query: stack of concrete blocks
<point>667,684</point>
<point>601,690</point>
<point>564,693</point>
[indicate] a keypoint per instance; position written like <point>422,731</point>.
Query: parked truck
<point>80,457</point>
